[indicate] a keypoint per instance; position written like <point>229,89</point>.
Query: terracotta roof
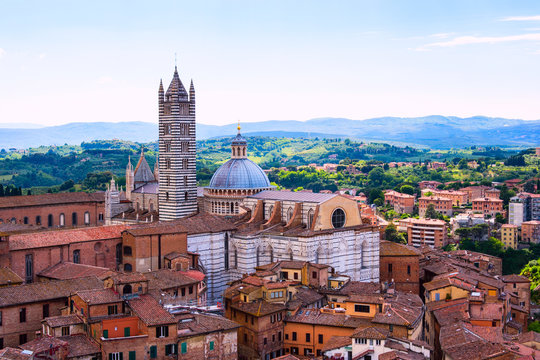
<point>14,354</point>
<point>366,298</point>
<point>62,237</point>
<point>50,199</point>
<point>336,342</point>
<point>403,309</point>
<point>127,277</point>
<point>371,332</point>
<point>478,350</point>
<point>448,281</point>
<point>150,311</point>
<point>195,274</point>
<point>529,336</point>
<point>389,248</point>
<point>515,278</point>
<point>200,223</point>
<point>356,287</point>
<point>9,228</point>
<point>314,316</point>
<point>43,291</point>
<point>258,308</point>
<point>99,296</point>
<point>307,296</point>
<point>43,343</point>
<point>80,345</point>
<point>452,313</point>
<point>195,324</point>
<point>293,196</point>
<point>8,277</point>
<point>68,270</point>
<point>167,279</point>
<point>63,320</point>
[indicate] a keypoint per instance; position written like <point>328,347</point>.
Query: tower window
<point>185,195</point>
<point>184,164</point>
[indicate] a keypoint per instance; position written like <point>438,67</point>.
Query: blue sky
<point>65,61</point>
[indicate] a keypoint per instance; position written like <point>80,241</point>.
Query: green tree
<point>431,213</point>
<point>407,189</point>
<point>376,176</point>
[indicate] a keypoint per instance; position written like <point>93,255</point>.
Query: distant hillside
<point>433,131</point>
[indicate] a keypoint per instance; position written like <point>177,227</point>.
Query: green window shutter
<point>121,356</point>
<point>184,347</point>
<point>127,331</point>
<point>153,351</point>
<point>132,355</point>
<point>211,345</point>
<point>106,334</point>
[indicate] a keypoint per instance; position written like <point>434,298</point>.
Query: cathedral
<point>265,225</point>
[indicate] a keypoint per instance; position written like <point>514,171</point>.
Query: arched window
<point>38,220</point>
<point>127,289</point>
<point>317,256</point>
<point>310,215</point>
<point>185,195</point>
<point>128,268</point>
<point>151,206</point>
<point>289,214</point>
<point>232,208</point>
<point>270,212</point>
<point>62,220</point>
<point>244,151</point>
<point>235,258</point>
<point>168,180</point>
<point>137,205</point>
<point>49,220</point>
<point>87,218</point>
<point>74,219</point>
<point>290,255</point>
<point>362,248</point>
<point>258,257</point>
<point>226,250</point>
<point>167,196</point>
<point>184,164</point>
<point>77,256</point>
<point>13,220</point>
<point>271,255</point>
<point>167,163</point>
<point>233,151</point>
<point>338,218</point>
<point>236,209</point>
<point>127,250</point>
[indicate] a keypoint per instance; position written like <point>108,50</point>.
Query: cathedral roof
<point>239,174</point>
<point>239,140</point>
<point>176,86</point>
<point>142,171</point>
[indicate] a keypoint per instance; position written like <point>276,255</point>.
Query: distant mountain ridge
<point>435,131</point>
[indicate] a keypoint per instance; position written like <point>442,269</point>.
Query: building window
<point>308,337</point>
<point>184,164</point>
<point>294,336</point>
<point>153,352</point>
<point>162,331</point>
<point>112,309</point>
<point>29,268</point>
<point>62,220</point>
<point>65,330</point>
<point>361,308</point>
<point>87,218</point>
<point>128,268</point>
<point>116,356</point>
<point>127,331</point>
<point>23,339</point>
<point>45,310</point>
<point>38,220</point>
<point>127,250</point>
<point>74,219</point>
<point>314,274</point>
<point>50,221</point>
<point>389,267</point>
<point>171,349</point>
<point>132,355</point>
<point>183,347</point>
<point>22,315</point>
<point>338,218</point>
<point>25,220</point>
<point>408,269</point>
<point>77,256</point>
<point>191,289</point>
<point>321,338</point>
<point>226,252</point>
<point>100,218</point>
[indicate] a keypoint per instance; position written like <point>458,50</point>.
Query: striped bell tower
<point>177,151</point>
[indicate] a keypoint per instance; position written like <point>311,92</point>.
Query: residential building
<point>428,184</point>
<point>458,197</point>
<point>399,266</point>
<point>519,288</point>
<point>441,205</point>
<point>493,193</point>
<point>488,206</point>
<point>530,231</point>
<point>519,209</point>
<point>474,192</point>
<point>429,232</point>
<point>509,235</point>
<point>402,203</point>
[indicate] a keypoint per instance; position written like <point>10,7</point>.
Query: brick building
<point>399,266</point>
<point>488,206</point>
<point>530,231</point>
<point>23,307</point>
<point>458,197</point>
<point>27,254</point>
<point>54,210</point>
<point>402,203</point>
<point>474,192</point>
<point>441,205</point>
<point>429,232</point>
<point>428,184</point>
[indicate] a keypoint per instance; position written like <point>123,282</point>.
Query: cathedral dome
<point>239,173</point>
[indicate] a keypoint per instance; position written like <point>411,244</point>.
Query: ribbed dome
<point>239,174</point>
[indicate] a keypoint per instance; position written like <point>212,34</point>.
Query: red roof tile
<point>99,296</point>
<point>68,270</point>
<point>150,311</point>
<point>51,199</point>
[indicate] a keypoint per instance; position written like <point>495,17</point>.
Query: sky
<point>254,60</point>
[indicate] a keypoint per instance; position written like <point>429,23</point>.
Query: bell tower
<point>177,150</point>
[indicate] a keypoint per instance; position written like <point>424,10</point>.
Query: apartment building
<point>441,205</point>
<point>488,206</point>
<point>429,232</point>
<point>402,203</point>
<point>509,235</point>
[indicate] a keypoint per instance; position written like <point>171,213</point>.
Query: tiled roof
<point>194,274</point>
<point>9,228</point>
<point>62,237</point>
<point>371,332</point>
<point>403,309</point>
<point>63,320</point>
<point>529,336</point>
<point>43,291</point>
<point>167,279</point>
<point>150,311</point>
<point>314,316</point>
<point>97,297</point>
<point>515,278</point>
<point>258,308</point>
<point>43,343</point>
<point>8,277</point>
<point>336,342</point>
<point>452,313</point>
<point>366,298</point>
<point>200,223</point>
<point>14,354</point>
<point>127,277</point>
<point>293,196</point>
<point>389,248</point>
<point>195,324</point>
<point>307,295</point>
<point>68,270</point>
<point>50,199</point>
<point>80,345</point>
<point>356,287</point>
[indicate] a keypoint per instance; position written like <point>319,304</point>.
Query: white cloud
<point>522,18</point>
<point>104,80</point>
<point>2,53</point>
<point>42,56</point>
<point>441,35</point>
<point>467,40</point>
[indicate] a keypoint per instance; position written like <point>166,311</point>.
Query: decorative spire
<point>238,127</point>
<point>192,92</point>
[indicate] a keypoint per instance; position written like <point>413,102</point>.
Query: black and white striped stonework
<point>177,151</point>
